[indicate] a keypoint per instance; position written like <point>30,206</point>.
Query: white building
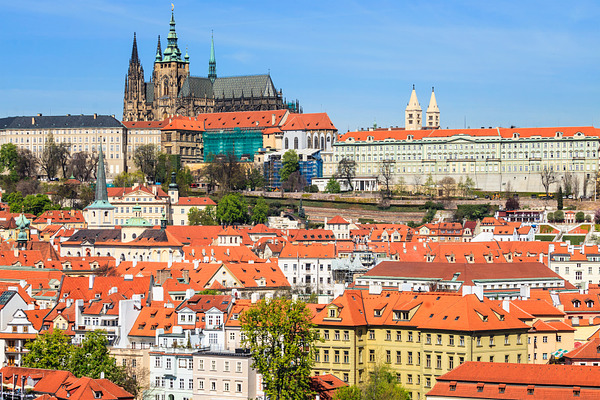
<point>308,267</point>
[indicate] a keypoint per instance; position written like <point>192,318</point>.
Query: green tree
<point>559,199</point>
<point>14,201</point>
<point>9,157</point>
<point>281,339</point>
<point>260,211</point>
<point>194,216</point>
<point>381,385</point>
<point>559,216</point>
<point>471,211</point>
<point>232,209</point>
<point>37,204</point>
<point>50,350</point>
<point>580,216</point>
<point>91,358</point>
<point>128,179</point>
<point>202,217</point>
<point>333,186</point>
<point>254,178</point>
<point>430,185</point>
<point>289,165</point>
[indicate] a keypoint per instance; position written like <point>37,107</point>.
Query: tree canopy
<point>333,186</point>
<point>289,165</point>
<point>260,211</point>
<point>202,217</point>
<point>50,350</point>
<point>281,339</point>
<point>232,209</point>
<point>381,385</point>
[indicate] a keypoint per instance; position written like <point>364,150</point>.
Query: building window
<point>238,367</point>
<point>451,340</point>
<point>371,355</point>
<point>200,384</point>
<point>226,386</point>
<point>213,385</point>
<point>398,357</point>
<point>238,387</point>
<point>450,362</point>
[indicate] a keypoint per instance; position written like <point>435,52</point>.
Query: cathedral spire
<point>158,51</point>
<point>172,52</point>
<point>134,52</point>
<point>212,62</point>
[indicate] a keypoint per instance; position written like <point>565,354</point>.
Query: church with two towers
<point>173,91</point>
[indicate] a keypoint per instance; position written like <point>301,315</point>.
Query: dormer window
<point>332,313</point>
<point>576,303</point>
<point>589,303</point>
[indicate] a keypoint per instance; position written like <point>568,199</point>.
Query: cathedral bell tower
<point>134,104</point>
<point>413,113</point>
<point>433,113</point>
<point>170,71</point>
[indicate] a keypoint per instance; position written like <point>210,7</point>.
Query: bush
<point>472,211</point>
<point>313,189</point>
<point>550,217</point>
<point>580,216</point>
<point>559,216</point>
<point>431,205</point>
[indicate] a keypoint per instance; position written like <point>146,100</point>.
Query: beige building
<point>495,159</point>
<point>154,203</point>
<point>81,133</point>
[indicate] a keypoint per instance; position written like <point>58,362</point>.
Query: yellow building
<point>420,336</point>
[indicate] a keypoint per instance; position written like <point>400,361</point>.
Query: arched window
<point>316,146</point>
<point>322,143</point>
<point>308,142</point>
<point>296,143</point>
<point>287,145</point>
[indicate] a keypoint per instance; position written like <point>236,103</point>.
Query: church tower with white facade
<point>414,113</point>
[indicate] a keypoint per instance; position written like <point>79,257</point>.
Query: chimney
<point>185,274</point>
<point>32,120</point>
<point>506,305</point>
<point>39,114</point>
<point>95,115</point>
<point>91,282</point>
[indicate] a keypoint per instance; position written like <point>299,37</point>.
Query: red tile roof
<point>546,381</point>
<point>587,351</point>
<point>144,124</point>
<point>315,121</point>
<point>196,201</point>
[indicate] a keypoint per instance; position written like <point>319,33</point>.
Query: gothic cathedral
<point>172,91</point>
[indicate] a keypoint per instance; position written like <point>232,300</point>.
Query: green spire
<point>172,52</point>
<point>212,62</point>
<point>158,51</point>
<point>101,191</point>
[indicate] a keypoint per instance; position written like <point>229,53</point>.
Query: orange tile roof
<point>78,287</point>
<point>195,235</point>
<point>241,119</point>
<point>314,121</point>
<point>338,220</point>
<point>548,381</point>
<point>587,351</point>
<point>505,133</point>
<point>436,310</point>
<point>196,201</point>
<point>317,250</point>
<point>60,217</point>
<point>153,317</point>
<point>468,272</point>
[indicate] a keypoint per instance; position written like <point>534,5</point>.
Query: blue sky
<point>523,63</point>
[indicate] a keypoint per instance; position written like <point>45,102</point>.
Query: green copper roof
<point>101,200</point>
<point>212,62</point>
<point>172,52</point>
<point>137,221</point>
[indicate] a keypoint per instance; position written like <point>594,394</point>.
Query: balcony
<point>14,349</point>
